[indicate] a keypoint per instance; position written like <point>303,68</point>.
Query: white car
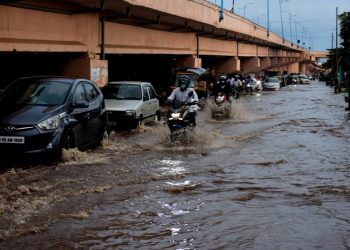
<point>272,83</point>
<point>130,103</point>
<point>303,79</point>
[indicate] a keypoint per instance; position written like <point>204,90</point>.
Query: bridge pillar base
<point>250,64</point>
<point>189,62</point>
<point>228,65</point>
<point>88,67</point>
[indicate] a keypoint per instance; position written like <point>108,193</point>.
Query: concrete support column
<point>228,65</point>
<point>189,62</point>
<point>302,68</point>
<point>250,64</point>
<point>274,61</point>
<point>281,60</point>
<point>265,62</point>
<point>88,67</point>
<point>293,68</point>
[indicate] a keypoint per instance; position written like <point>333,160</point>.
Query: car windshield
<point>272,79</point>
<point>123,92</point>
<point>193,79</point>
<point>36,92</point>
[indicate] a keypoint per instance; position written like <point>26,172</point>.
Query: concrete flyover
<point>96,39</point>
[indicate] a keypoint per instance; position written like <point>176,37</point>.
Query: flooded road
<point>274,176</point>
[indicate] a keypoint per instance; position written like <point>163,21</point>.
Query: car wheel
<point>106,133</point>
<point>157,117</point>
<point>137,123</point>
<point>68,141</point>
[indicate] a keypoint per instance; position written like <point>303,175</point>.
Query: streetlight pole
<point>290,26</point>
<point>221,17</point>
<point>336,87</point>
<point>268,17</point>
<point>280,2</point>
<point>233,6</point>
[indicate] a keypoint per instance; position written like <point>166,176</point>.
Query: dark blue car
<point>46,114</point>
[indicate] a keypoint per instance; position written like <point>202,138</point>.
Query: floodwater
<point>275,175</point>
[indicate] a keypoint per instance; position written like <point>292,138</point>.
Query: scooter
<point>221,107</point>
<point>182,118</point>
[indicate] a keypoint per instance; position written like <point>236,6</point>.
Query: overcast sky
<point>313,21</point>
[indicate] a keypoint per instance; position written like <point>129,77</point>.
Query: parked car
<point>272,83</point>
<point>303,79</point>
<point>46,114</point>
<point>130,103</point>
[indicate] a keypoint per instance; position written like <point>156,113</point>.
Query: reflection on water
<point>275,175</point>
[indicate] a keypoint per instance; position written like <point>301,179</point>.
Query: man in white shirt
<point>181,94</point>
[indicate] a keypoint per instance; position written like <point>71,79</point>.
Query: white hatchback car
<point>130,103</point>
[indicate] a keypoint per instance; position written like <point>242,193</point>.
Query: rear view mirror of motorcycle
<point>190,94</point>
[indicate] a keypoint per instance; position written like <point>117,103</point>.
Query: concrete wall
<point>28,30</point>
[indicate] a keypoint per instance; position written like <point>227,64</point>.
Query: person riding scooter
<point>223,86</point>
<point>182,95</point>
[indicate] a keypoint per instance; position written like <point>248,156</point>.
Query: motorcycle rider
<point>180,95</point>
<point>223,86</point>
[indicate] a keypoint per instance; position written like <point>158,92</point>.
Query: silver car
<point>129,103</point>
<point>272,83</point>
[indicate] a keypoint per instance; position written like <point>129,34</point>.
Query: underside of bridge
<point>135,39</point>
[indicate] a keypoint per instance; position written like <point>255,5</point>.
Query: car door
<point>95,122</point>
<point>146,105</point>
<point>153,100</point>
<point>87,129</point>
<point>80,116</point>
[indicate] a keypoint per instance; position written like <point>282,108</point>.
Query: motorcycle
<point>221,107</point>
<point>182,119</point>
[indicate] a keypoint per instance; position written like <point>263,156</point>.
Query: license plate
<point>12,139</point>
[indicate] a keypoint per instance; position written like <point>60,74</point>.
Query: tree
<point>343,51</point>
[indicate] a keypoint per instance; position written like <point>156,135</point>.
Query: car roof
<point>50,77</point>
<point>129,82</point>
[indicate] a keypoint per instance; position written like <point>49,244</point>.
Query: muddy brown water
<point>276,175</point>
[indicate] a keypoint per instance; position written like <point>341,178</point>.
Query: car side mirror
<point>81,104</point>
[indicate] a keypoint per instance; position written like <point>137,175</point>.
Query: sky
<point>311,21</point>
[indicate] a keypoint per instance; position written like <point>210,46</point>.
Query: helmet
<point>223,78</point>
<point>184,82</point>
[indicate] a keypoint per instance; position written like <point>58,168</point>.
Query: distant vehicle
<point>293,79</point>
<point>303,79</point>
<point>198,78</point>
<point>256,84</point>
<point>272,83</point>
<point>129,103</point>
<point>47,114</point>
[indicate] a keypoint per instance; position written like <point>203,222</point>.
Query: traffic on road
<point>273,174</point>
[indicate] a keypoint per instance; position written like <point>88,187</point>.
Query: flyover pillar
<point>265,62</point>
<point>250,64</point>
<point>274,61</point>
<point>189,62</point>
<point>293,68</point>
<point>88,67</point>
<point>302,68</point>
<point>227,65</point>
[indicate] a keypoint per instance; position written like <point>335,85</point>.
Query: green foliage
<point>344,51</point>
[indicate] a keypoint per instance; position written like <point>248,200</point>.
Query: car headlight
<point>52,122</point>
<point>130,112</point>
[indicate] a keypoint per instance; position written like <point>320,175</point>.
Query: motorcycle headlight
<point>51,123</point>
<point>130,112</point>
